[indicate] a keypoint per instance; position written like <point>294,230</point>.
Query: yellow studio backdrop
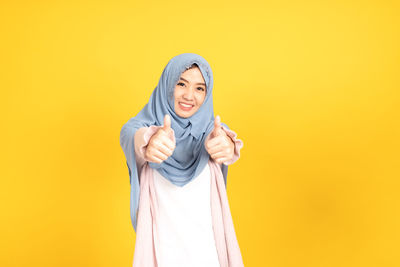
<point>311,87</point>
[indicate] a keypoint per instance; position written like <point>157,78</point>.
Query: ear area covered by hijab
<point>190,156</point>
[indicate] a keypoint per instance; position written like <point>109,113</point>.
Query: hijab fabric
<point>190,156</point>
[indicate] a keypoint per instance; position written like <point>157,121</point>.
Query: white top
<point>184,235</point>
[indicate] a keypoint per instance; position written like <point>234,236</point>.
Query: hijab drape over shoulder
<point>190,156</point>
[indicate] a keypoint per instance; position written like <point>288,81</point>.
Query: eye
<point>200,88</point>
<point>180,83</point>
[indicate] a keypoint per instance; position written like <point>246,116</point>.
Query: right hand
<point>160,145</point>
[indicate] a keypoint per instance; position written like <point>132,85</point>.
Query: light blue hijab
<point>190,156</point>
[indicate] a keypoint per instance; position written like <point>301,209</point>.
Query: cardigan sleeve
<point>238,144</point>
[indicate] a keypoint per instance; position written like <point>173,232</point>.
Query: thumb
<point>167,123</point>
<point>217,126</point>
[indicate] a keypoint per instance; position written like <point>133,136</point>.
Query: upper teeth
<point>185,105</point>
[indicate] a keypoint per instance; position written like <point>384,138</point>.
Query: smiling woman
<point>189,92</point>
<point>178,155</point>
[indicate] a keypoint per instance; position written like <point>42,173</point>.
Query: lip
<point>185,108</point>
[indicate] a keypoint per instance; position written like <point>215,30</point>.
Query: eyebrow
<point>188,81</point>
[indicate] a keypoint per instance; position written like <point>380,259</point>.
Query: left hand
<point>220,146</point>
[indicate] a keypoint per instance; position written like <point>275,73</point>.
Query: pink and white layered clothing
<point>187,226</point>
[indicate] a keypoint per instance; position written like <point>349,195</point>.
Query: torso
<point>184,235</point>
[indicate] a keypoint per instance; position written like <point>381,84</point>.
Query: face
<point>189,93</point>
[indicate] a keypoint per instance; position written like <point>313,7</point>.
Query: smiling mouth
<point>185,107</point>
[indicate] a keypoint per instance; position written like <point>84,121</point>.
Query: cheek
<point>200,98</point>
<point>176,94</point>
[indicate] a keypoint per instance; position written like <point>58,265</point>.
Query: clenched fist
<point>219,145</point>
<point>160,145</point>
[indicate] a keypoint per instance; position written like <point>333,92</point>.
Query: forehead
<point>193,75</point>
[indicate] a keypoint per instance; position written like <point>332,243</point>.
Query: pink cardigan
<point>224,233</point>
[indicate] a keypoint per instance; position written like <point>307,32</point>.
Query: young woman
<point>177,156</point>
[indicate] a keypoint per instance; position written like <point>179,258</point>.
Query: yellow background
<point>311,87</point>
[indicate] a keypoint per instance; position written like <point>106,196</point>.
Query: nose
<point>188,95</point>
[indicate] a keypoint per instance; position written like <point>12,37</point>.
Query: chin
<point>183,114</point>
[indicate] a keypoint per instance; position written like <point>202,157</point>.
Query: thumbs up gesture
<point>161,145</point>
<point>219,145</point>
